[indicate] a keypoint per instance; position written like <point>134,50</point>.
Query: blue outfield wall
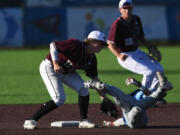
<point>83,20</point>
<point>115,2</point>
<point>173,20</point>
<point>63,3</point>
<point>43,25</point>
<point>39,23</point>
<point>88,2</point>
<point>42,3</point>
<point>11,34</point>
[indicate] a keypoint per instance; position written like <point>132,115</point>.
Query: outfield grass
<point>21,83</point>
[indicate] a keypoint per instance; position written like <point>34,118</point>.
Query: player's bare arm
<point>114,50</point>
<point>57,67</point>
<point>133,81</point>
<point>54,55</point>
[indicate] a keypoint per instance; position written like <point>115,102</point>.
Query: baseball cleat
<point>86,124</point>
<point>30,124</point>
<point>163,82</point>
<point>94,85</point>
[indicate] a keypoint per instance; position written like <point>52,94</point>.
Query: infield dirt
<point>164,120</point>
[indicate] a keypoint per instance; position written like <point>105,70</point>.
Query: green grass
<point>21,83</point>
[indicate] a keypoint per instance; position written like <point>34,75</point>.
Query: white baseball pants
<point>139,62</point>
<point>53,82</point>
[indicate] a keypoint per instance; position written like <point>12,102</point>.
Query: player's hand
<point>123,57</point>
<point>57,67</point>
<point>133,81</point>
<point>129,81</point>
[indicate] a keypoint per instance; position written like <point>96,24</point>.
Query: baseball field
<point>22,92</point>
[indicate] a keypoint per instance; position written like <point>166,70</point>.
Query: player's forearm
<point>145,91</point>
<point>139,85</point>
<point>113,48</point>
<point>142,88</point>
<point>55,63</point>
<point>53,52</point>
<point>117,53</point>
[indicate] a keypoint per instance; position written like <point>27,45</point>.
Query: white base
<point>65,124</point>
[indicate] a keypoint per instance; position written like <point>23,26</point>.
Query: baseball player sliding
<point>60,67</point>
<point>124,37</point>
<point>134,111</point>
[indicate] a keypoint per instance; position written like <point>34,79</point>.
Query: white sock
<point>119,122</point>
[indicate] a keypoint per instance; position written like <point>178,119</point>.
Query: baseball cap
<point>125,3</point>
<point>97,35</point>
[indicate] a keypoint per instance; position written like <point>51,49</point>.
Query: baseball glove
<point>68,67</point>
<point>109,108</point>
<point>154,53</point>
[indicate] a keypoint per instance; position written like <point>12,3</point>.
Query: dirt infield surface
<point>164,120</point>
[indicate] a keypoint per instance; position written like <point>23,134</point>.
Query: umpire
<point>60,67</point>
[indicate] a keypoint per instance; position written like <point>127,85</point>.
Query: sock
<point>44,109</point>
<point>83,102</point>
<point>118,122</point>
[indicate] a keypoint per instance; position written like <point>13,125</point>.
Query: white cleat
<point>163,82</point>
<point>86,124</point>
<point>30,124</point>
<point>94,85</point>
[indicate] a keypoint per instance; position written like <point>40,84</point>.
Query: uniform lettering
<point>128,41</point>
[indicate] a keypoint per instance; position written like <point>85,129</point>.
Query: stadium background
<point>37,22</point>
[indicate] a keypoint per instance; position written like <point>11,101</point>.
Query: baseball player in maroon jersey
<point>60,67</point>
<point>125,34</point>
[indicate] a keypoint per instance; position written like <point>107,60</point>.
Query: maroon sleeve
<point>63,46</point>
<point>113,32</point>
<point>67,49</point>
